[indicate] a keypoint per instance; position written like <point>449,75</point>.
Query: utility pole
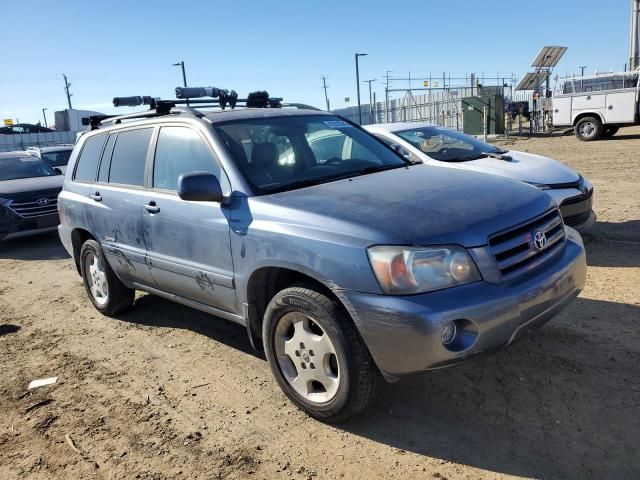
<point>634,41</point>
<point>45,117</point>
<point>386,97</point>
<point>358,86</point>
<point>326,97</point>
<point>184,74</point>
<point>66,88</point>
<point>370,100</point>
<point>582,70</point>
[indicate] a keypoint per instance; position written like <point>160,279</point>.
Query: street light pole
<point>582,70</point>
<point>370,100</point>
<point>358,86</point>
<point>184,74</point>
<point>45,117</point>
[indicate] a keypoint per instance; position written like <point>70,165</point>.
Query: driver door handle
<point>96,196</point>
<point>151,207</point>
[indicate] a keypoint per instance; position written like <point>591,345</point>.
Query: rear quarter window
<point>89,157</point>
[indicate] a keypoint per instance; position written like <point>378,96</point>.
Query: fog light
<point>449,332</point>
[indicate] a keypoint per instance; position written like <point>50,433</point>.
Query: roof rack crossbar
<point>219,98</point>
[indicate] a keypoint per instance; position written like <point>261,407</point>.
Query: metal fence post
<point>484,123</point>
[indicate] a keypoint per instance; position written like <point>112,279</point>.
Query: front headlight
<point>404,270</point>
<point>541,186</point>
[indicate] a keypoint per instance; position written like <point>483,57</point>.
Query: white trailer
<point>72,120</point>
<point>597,105</point>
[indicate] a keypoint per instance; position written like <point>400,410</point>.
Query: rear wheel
<point>588,129</point>
<point>317,356</point>
<point>610,131</point>
<point>107,293</point>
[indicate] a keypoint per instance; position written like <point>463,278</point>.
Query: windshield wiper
<point>499,154</point>
<point>309,182</point>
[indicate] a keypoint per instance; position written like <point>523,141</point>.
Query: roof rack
<point>193,98</point>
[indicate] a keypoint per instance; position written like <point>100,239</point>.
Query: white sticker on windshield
<point>337,124</point>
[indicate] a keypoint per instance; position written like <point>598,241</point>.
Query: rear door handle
<point>96,196</point>
<point>151,207</point>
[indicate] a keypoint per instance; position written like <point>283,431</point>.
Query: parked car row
<point>349,256</point>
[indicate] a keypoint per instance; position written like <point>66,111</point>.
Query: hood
<point>28,186</point>
<point>525,167</point>
<point>424,204</point>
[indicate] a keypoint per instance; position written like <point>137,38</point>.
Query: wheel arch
<point>78,237</point>
<point>265,282</point>
<point>582,115</point>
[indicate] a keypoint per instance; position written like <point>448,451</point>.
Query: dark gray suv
<point>345,263</point>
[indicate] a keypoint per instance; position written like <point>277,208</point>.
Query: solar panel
<point>532,80</point>
<point>548,57</point>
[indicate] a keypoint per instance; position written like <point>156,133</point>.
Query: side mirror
<point>57,170</point>
<point>199,187</point>
<point>398,148</point>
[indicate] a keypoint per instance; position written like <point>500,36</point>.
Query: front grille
<point>36,207</point>
<point>577,220</point>
<point>514,249</point>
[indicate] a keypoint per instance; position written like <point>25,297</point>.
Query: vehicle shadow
<point>613,244</point>
<point>41,247</point>
<point>622,136</point>
<point>8,328</point>
<point>154,311</point>
<point>561,403</point>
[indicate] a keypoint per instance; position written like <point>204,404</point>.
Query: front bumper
<point>403,333</point>
<point>576,207</point>
<point>13,226</point>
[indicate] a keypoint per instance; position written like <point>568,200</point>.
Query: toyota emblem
<point>539,241</point>
<point>42,201</point>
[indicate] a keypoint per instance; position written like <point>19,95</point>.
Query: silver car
<point>435,145</point>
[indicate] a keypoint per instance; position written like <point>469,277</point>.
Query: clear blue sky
<point>113,48</point>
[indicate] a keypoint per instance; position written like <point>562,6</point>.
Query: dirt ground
<point>167,392</point>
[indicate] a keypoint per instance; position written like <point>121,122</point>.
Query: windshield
<point>12,168</point>
<point>57,159</point>
<point>282,153</point>
<point>446,145</point>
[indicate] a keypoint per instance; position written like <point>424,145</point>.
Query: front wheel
<point>107,293</point>
<point>317,356</point>
<point>589,129</point>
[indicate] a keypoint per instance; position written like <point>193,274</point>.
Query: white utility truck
<point>597,105</point>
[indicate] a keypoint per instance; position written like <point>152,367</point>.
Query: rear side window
<point>89,157</point>
<point>129,156</point>
<point>180,150</point>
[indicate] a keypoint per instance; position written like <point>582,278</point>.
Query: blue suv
<point>345,263</point>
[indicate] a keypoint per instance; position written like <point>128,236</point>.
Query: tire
<point>589,129</point>
<point>311,320</point>
<point>610,131</point>
<point>107,293</point>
